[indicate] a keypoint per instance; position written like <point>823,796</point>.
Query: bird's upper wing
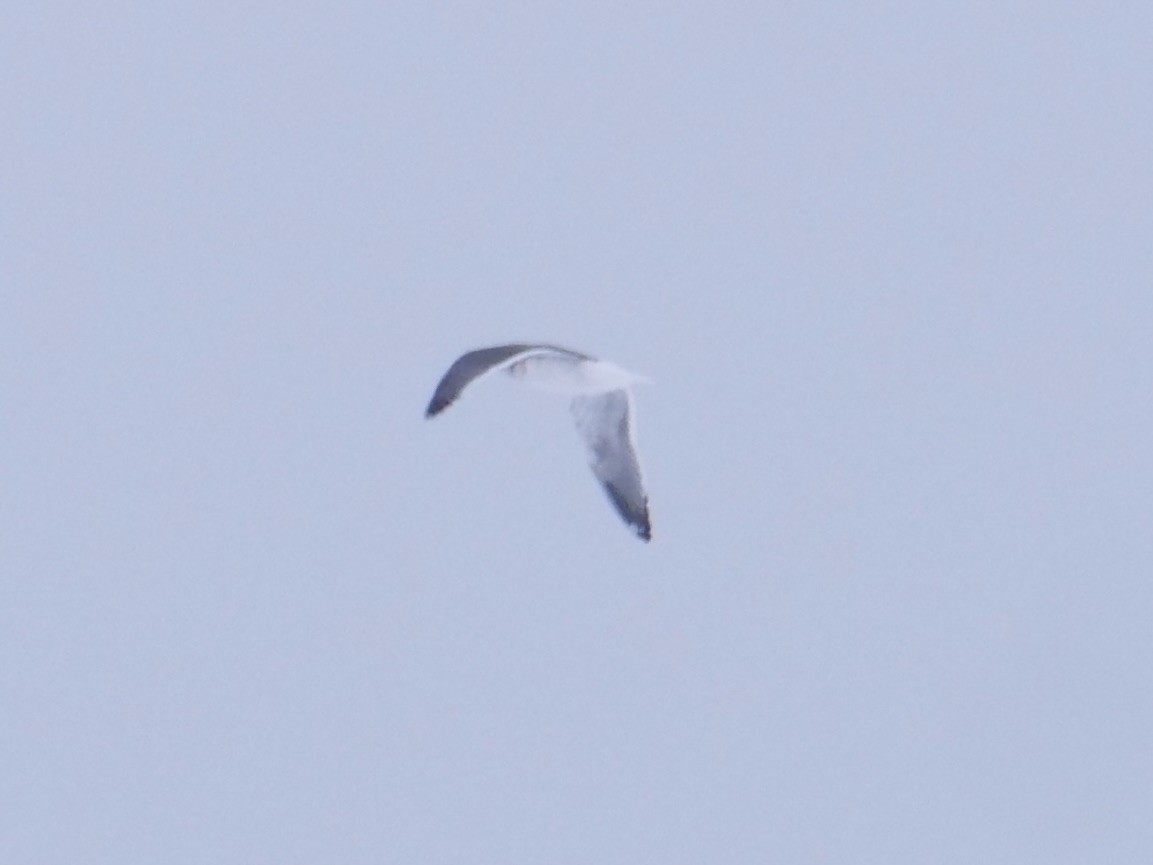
<point>603,421</point>
<point>467,368</point>
<point>472,365</point>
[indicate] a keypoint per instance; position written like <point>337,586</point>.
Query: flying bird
<point>601,406</point>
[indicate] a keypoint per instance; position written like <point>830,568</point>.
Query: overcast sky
<point>890,268</point>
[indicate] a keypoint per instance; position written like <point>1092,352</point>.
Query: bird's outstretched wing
<point>604,422</point>
<point>474,364</point>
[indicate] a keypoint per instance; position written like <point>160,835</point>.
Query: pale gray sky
<point>890,267</point>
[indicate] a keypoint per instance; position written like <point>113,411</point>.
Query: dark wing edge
<point>636,517</point>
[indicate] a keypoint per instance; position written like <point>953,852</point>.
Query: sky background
<point>890,268</point>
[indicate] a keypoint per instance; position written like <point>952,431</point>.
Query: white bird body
<point>601,407</point>
<point>558,374</point>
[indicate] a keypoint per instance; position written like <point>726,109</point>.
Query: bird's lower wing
<point>604,422</point>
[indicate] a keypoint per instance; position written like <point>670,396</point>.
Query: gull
<point>601,406</point>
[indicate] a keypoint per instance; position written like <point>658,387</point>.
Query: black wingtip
<point>643,527</point>
<point>636,519</point>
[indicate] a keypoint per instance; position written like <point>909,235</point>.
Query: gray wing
<point>467,368</point>
<point>603,421</point>
<point>472,365</point>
